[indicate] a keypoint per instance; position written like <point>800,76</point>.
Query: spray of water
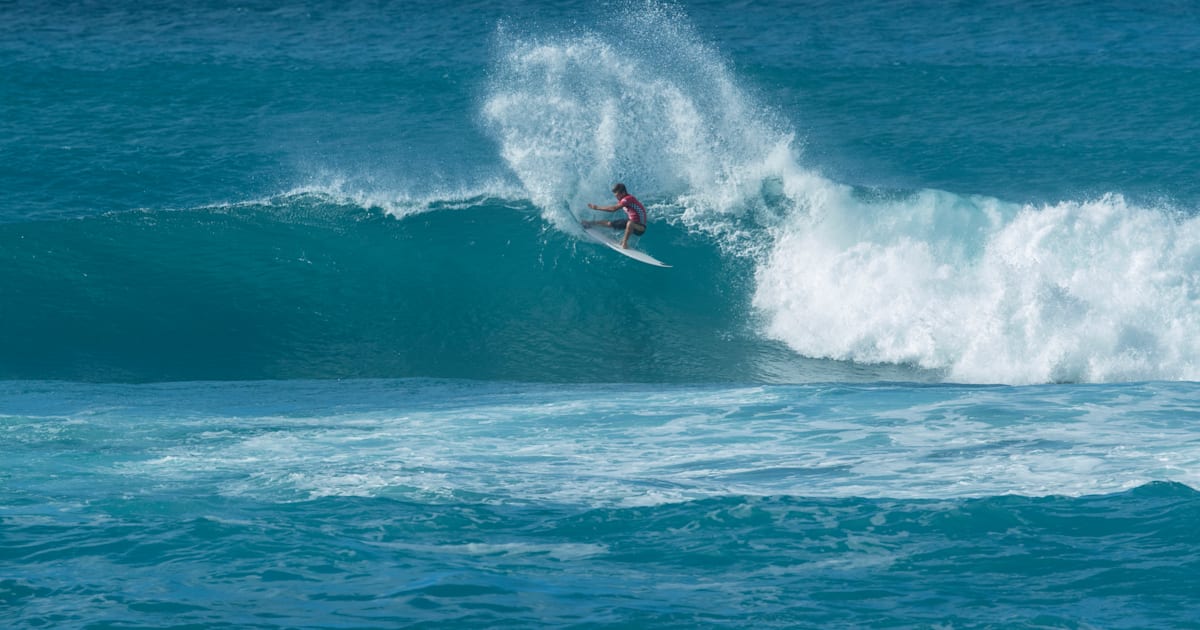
<point>640,99</point>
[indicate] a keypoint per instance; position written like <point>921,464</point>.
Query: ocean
<point>298,327</point>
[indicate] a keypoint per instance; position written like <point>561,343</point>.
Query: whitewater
<point>298,328</point>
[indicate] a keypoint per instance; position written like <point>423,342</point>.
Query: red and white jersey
<point>633,209</point>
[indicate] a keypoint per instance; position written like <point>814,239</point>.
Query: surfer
<point>635,212</point>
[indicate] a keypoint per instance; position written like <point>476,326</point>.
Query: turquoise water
<point>297,327</point>
<point>468,504</point>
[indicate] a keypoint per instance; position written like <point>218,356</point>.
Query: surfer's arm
<point>604,208</point>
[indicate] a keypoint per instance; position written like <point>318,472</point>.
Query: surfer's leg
<point>630,229</point>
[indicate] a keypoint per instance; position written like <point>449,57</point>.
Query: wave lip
<point>342,191</point>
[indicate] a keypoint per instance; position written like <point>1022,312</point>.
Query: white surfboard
<point>602,235</point>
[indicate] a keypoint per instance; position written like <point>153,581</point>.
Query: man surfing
<point>635,212</point>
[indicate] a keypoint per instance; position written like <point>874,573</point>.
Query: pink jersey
<point>633,209</point>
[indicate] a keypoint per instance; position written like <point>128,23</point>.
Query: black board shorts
<point>619,224</point>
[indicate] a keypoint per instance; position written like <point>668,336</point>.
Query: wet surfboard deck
<point>603,235</point>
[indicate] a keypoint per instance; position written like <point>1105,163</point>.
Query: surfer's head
<point>619,189</point>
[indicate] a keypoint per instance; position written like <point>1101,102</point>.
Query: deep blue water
<point>297,328</point>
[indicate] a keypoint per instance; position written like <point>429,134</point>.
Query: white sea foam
<point>562,552</point>
<point>646,447</point>
<point>1091,291</point>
